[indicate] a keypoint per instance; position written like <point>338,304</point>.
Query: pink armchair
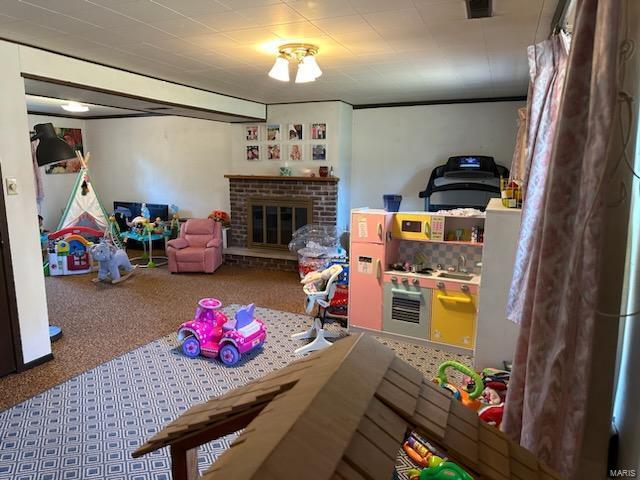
<point>198,248</point>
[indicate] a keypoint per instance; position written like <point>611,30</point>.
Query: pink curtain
<point>519,162</point>
<point>547,68</point>
<point>557,265</point>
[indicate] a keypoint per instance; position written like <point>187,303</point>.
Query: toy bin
<point>392,202</point>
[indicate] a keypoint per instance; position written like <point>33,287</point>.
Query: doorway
<point>10,348</point>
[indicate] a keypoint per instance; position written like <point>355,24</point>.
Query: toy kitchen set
<point>420,277</point>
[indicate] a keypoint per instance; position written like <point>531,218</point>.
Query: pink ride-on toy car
<point>212,334</point>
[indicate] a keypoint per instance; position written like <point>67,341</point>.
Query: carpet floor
<point>102,321</point>
<point>88,426</point>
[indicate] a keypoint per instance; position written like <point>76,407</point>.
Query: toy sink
<point>455,275</point>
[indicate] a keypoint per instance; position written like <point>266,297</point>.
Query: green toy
<point>467,398</point>
<point>445,471</point>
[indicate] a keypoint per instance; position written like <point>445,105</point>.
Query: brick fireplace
<point>284,195</point>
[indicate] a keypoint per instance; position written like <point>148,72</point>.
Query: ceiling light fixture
<point>75,107</point>
<point>280,69</point>
<point>304,55</point>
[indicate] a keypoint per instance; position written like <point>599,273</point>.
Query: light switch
<point>12,186</point>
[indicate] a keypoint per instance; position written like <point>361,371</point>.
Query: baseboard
<point>37,361</point>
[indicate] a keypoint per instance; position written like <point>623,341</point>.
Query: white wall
<point>15,158</point>
<point>626,413</point>
<point>337,116</point>
<point>169,160</point>
<point>395,149</point>
<point>57,188</point>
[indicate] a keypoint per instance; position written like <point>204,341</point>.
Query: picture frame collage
<point>293,142</point>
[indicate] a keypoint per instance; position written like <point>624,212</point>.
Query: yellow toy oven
<point>418,226</point>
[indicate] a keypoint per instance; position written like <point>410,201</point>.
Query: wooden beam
<point>184,463</point>
<point>219,429</point>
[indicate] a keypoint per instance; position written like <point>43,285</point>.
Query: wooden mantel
<point>283,178</point>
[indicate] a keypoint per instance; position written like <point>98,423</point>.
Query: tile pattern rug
<point>88,426</point>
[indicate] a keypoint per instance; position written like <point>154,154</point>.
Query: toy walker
<point>211,334</point>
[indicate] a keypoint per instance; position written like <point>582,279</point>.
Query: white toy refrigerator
<point>371,251</point>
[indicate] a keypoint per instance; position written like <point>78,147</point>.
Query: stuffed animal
<point>111,259</point>
<point>321,276</point>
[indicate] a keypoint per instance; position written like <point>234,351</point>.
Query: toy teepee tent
<point>84,208</point>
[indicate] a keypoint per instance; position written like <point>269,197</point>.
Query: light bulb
<point>310,60</point>
<point>75,107</point>
<point>305,73</point>
<point>280,69</point>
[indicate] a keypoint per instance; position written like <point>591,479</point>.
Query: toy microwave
<point>418,226</point>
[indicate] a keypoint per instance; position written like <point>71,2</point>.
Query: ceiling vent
<point>478,8</point>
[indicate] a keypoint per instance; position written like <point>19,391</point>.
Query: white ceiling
<point>53,106</point>
<point>371,51</point>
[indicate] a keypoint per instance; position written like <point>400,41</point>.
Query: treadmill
<point>465,181</point>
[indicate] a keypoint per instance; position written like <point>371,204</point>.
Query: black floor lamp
<point>51,149</point>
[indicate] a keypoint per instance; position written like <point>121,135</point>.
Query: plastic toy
<point>484,392</point>
<point>111,260</point>
<point>468,398</point>
<point>445,471</point>
<point>421,451</point>
<point>211,334</point>
<point>69,250</point>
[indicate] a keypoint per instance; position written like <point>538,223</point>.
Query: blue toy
<point>111,259</point>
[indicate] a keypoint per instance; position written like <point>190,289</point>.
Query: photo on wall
<point>252,133</point>
<point>273,133</point>
<point>73,138</point>
<point>273,152</point>
<point>296,152</point>
<point>318,131</point>
<point>296,131</point>
<point>319,152</point>
<point>253,152</point>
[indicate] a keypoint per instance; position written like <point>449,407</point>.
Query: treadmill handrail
<point>459,186</point>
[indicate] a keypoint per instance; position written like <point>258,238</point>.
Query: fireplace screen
<point>272,221</point>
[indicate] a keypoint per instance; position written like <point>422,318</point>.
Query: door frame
<point>5,252</point>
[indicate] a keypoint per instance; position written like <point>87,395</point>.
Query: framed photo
<point>273,133</point>
<point>319,152</point>
<point>296,152</point>
<point>296,131</point>
<point>252,133</point>
<point>73,138</point>
<point>253,152</point>
<point>273,152</point>
<point>318,131</point>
